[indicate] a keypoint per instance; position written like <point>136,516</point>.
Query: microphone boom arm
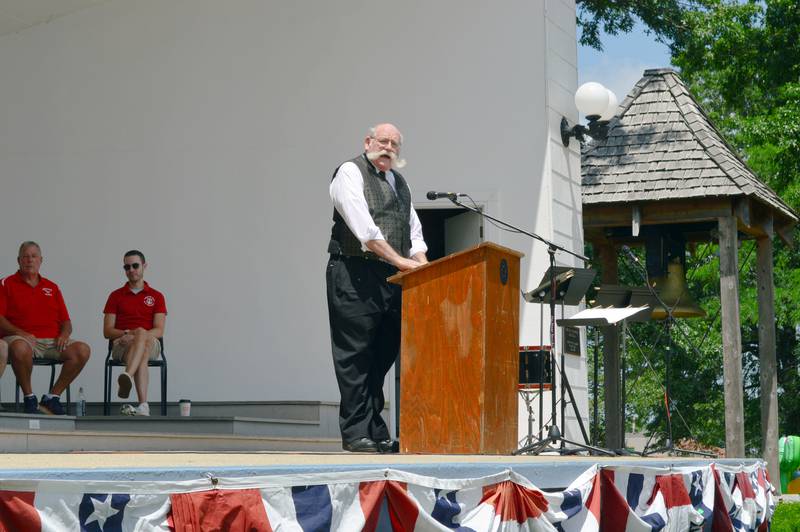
<point>549,244</point>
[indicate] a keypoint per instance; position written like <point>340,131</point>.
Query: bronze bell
<point>674,292</point>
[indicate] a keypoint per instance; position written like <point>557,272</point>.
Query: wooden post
<point>611,365</point>
<point>767,357</point>
<point>731,337</point>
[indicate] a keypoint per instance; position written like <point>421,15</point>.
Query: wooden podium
<point>460,353</point>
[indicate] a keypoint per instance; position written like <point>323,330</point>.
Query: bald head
<point>384,130</point>
<point>382,146</point>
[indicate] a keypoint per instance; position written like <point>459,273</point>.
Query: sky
<point>623,60</point>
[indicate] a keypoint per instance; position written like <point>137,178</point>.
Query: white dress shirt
<point>347,193</point>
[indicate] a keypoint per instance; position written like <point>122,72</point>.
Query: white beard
<point>396,163</point>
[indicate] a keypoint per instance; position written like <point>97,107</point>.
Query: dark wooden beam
<point>768,363</point>
<point>749,214</point>
<point>754,219</point>
<point>731,337</point>
<point>786,232</point>
<point>691,237</point>
<point>662,212</point>
<point>611,363</point>
<point>741,209</point>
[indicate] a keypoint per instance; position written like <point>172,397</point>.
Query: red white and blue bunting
<point>618,498</point>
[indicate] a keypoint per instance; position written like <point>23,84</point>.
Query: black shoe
<point>388,446</point>
<point>31,405</point>
<point>361,445</point>
<point>51,406</point>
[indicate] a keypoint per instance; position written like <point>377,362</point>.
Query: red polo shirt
<point>38,310</point>
<point>135,310</point>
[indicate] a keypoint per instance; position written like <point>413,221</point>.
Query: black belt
<point>335,250</point>
<point>368,258</point>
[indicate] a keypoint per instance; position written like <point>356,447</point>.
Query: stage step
<point>293,419</point>
<point>31,433</point>
<point>48,441</point>
<point>12,421</point>
<point>238,426</point>
<point>306,410</point>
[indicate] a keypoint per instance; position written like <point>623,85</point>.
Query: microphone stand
<point>550,245</point>
<point>670,447</point>
<point>553,434</point>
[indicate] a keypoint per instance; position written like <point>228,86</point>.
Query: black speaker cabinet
<point>532,361</point>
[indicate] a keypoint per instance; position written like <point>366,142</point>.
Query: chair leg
<point>16,396</point>
<point>164,390</point>
<point>109,372</point>
<point>106,408</point>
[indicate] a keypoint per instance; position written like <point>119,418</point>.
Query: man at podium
<point>375,233</point>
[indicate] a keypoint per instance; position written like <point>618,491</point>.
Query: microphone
<point>631,254</point>
<point>432,195</point>
<point>636,262</point>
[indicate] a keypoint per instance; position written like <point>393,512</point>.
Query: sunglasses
<point>127,267</point>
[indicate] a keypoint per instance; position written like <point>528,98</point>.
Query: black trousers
<point>364,315</point>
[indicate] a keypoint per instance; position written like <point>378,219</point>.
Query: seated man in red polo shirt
<point>134,319</point>
<point>35,323</point>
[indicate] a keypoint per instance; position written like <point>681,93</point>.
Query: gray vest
<point>389,211</point>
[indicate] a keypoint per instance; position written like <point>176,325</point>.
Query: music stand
<point>621,296</point>
<point>639,296</point>
<point>609,317</point>
<point>606,316</point>
<point>570,285</point>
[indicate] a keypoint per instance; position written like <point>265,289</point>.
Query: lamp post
<point>598,105</point>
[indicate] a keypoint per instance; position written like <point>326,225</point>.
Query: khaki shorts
<point>43,348</point>
<point>119,349</point>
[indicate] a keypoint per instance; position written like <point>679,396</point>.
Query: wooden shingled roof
<point>661,146</point>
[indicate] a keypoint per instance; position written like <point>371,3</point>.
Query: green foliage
<point>786,518</point>
<point>664,18</point>
<point>741,61</point>
<point>772,141</point>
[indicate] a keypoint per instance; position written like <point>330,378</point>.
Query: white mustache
<point>396,163</point>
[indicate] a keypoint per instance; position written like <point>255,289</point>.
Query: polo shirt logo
<point>48,291</point>
<point>149,301</point>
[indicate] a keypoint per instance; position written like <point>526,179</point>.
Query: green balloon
<point>788,458</point>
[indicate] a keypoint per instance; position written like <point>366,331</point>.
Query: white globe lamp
<point>611,107</point>
<point>598,105</point>
<point>591,99</point>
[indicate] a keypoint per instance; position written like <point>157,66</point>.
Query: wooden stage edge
<point>546,472</point>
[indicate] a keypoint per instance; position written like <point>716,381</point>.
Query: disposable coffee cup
<point>186,407</point>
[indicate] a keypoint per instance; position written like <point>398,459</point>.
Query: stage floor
<point>546,472</point>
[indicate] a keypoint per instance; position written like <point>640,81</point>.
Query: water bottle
<point>81,410</point>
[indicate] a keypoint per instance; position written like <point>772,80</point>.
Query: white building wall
<point>560,219</point>
<point>205,134</point>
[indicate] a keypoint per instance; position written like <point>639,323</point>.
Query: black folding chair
<point>45,362</point>
<point>160,363</point>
